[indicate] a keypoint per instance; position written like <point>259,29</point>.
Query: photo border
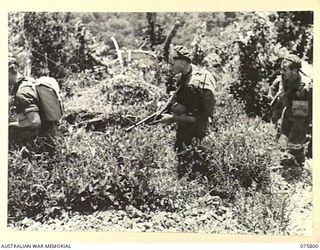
<point>6,6</point>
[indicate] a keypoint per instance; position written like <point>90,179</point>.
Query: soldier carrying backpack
<point>195,102</point>
<point>37,102</point>
<point>295,116</point>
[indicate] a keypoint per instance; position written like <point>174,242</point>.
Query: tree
<point>55,43</point>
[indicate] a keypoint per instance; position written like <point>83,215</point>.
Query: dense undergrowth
<point>101,169</point>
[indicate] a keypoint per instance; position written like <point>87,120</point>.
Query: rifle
<point>271,104</point>
<point>155,117</point>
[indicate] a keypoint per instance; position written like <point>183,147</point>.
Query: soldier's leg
<point>285,127</point>
<point>199,157</point>
<point>182,162</point>
<point>21,136</point>
<point>182,148</point>
<point>298,153</point>
<point>296,139</point>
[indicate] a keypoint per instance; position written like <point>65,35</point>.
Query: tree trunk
<point>151,17</point>
<point>166,46</point>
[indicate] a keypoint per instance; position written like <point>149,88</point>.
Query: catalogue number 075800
<point>309,246</point>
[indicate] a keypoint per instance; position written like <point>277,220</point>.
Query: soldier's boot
<point>298,153</point>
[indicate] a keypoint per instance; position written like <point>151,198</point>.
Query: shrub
<point>88,172</point>
<point>199,44</point>
<point>54,43</point>
<point>261,213</point>
<point>238,152</point>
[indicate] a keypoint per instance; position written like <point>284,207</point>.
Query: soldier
<point>26,122</point>
<point>194,105</point>
<point>296,117</point>
<point>38,105</point>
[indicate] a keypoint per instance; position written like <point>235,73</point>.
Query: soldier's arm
<point>274,88</point>
<point>205,109</point>
<point>182,119</point>
<point>192,115</point>
<point>179,115</point>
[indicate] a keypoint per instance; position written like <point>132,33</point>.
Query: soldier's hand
<point>178,109</point>
<point>167,119</point>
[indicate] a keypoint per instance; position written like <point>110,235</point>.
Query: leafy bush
<point>45,36</point>
<point>54,42</point>
<point>295,32</point>
<point>88,172</point>
<point>199,44</point>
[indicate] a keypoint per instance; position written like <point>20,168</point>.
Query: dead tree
<point>166,46</point>
<point>151,17</point>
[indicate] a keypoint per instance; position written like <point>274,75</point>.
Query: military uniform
<point>26,101</point>
<point>197,96</point>
<point>296,116</point>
